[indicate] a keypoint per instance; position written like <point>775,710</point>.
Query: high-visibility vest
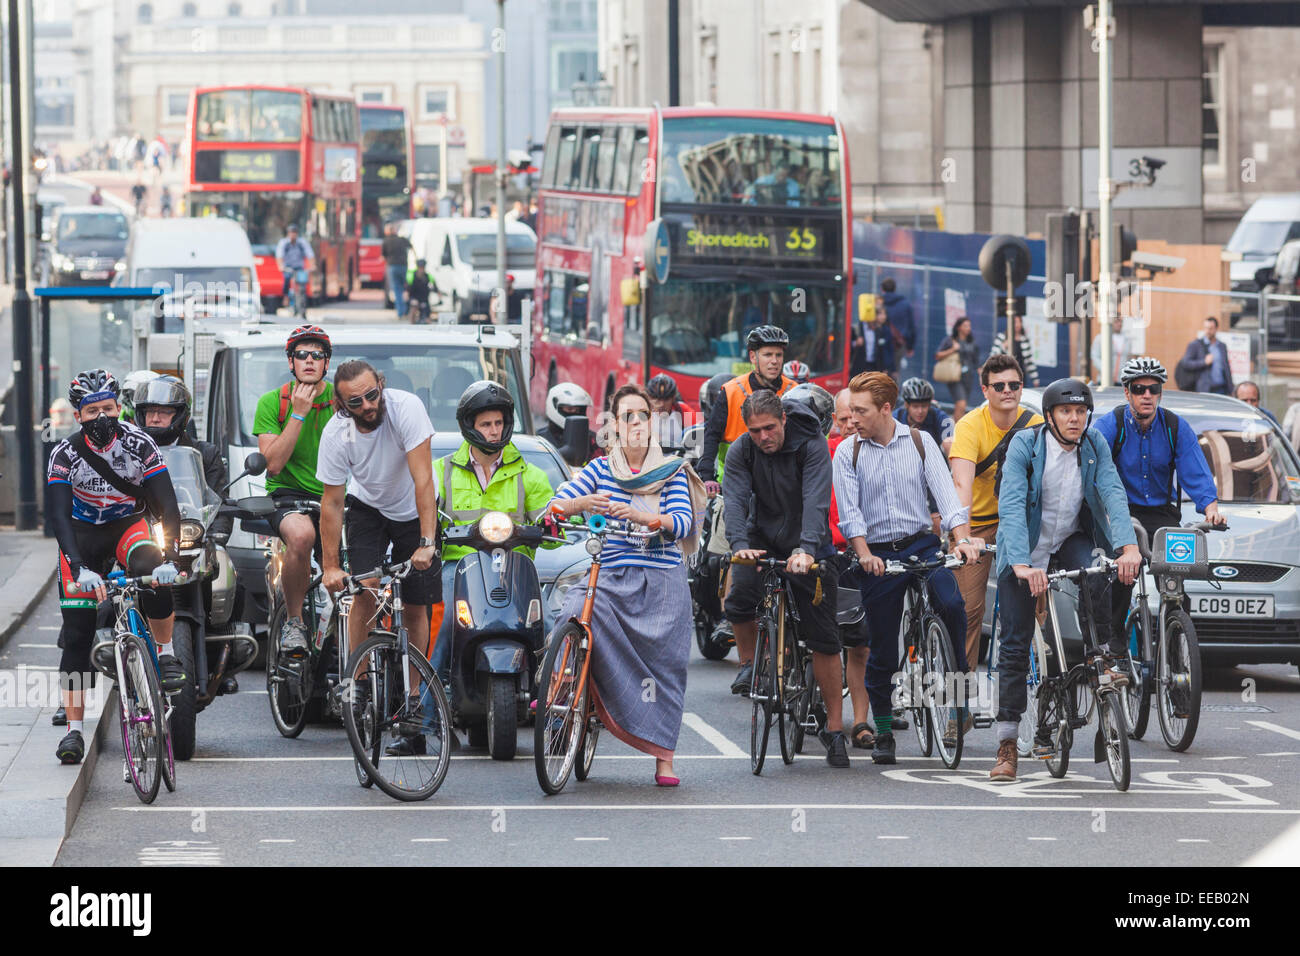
<point>736,397</point>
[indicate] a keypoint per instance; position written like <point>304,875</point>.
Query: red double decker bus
<point>752,213</point>
<point>387,181</point>
<point>271,156</point>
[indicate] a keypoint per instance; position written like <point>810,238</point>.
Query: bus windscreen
<point>249,116</point>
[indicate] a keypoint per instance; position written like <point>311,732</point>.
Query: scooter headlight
<point>191,532</point>
<point>496,527</point>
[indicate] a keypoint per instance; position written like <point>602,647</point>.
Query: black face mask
<point>101,430</point>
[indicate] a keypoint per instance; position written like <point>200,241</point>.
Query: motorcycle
<point>210,640</point>
<point>497,632</point>
<point>705,571</point>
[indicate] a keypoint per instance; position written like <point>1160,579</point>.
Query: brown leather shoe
<point>1005,766</point>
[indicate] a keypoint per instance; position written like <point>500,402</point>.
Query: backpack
<point>1184,377</point>
<point>999,453</point>
<point>916,440</point>
<point>1172,422</point>
<point>285,389</point>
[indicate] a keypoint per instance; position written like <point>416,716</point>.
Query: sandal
<point>857,734</point>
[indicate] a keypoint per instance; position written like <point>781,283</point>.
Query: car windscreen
<point>479,249</point>
<point>1257,236</point>
<point>437,373</point>
<point>1249,459</point>
<point>102,226</point>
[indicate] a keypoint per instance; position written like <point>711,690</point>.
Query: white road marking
<point>36,667</point>
<point>38,645</point>
<point>429,840</point>
<point>1281,851</point>
<point>1191,840</point>
<point>47,627</point>
<point>1224,758</point>
<point>275,841</point>
<point>1155,760</point>
<point>591,839</point>
<point>712,735</point>
<point>180,853</point>
<point>885,837</point>
<point>1281,753</point>
<point>1043,838</point>
<point>1284,731</point>
<point>735,838</point>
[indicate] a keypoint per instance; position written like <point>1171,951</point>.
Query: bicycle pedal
<point>982,723</point>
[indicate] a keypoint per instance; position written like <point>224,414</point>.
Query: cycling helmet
<point>796,370</point>
<point>93,385</point>
<point>164,392</point>
<point>305,333</point>
<point>568,395</point>
<point>766,335</point>
<point>818,399</point>
<point>1142,367</point>
<point>483,396</point>
<point>133,381</point>
<point>711,392</point>
<point>1066,391</point>
<point>917,390</point>
<point>662,388</point>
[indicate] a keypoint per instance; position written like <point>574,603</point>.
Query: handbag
<point>948,369</point>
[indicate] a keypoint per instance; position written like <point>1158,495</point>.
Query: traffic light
<point>1062,265</point>
<point>1124,245</point>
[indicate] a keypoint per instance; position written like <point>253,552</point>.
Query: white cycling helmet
<point>132,381</point>
<point>568,395</point>
<point>1142,367</point>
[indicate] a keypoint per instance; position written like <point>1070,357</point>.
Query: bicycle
<point>295,291</point>
<point>566,728</point>
<point>390,692</point>
<point>1170,665</point>
<point>143,709</point>
<point>928,668</point>
<point>1060,696</point>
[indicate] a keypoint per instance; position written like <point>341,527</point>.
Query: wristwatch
<point>428,543</point>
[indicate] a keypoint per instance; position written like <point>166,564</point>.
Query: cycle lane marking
<point>718,807</point>
<point>714,736</point>
<point>1276,728</point>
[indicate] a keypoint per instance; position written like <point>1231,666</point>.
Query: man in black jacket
<point>1206,359</point>
<point>776,493</point>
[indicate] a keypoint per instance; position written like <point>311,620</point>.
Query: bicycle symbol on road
<point>1225,789</point>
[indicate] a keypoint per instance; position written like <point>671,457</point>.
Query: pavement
<point>39,798</point>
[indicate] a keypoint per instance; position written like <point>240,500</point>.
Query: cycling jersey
<point>132,455</point>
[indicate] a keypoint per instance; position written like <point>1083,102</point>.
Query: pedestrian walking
<point>959,354</point>
<point>1204,366</point>
<point>396,251</point>
<point>902,326</point>
<point>1021,350</point>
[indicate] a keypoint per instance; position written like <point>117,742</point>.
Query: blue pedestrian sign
<point>1180,547</point>
<point>658,250</point>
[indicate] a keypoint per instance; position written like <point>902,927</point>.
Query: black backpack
<point>999,453</point>
<point>1172,423</point>
<point>1184,377</point>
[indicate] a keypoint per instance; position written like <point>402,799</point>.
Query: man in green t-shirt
<point>288,425</point>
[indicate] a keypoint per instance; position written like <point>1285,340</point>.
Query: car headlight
<point>191,532</point>
<point>496,527</point>
<point>575,576</point>
<point>62,263</point>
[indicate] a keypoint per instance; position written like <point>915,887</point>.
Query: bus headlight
<point>496,527</point>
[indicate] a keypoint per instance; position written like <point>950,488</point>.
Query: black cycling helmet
<point>1066,391</point>
<point>93,385</point>
<point>165,392</point>
<point>308,333</point>
<point>483,396</point>
<point>917,390</point>
<point>663,388</point>
<point>711,392</point>
<point>818,399</point>
<point>766,335</point>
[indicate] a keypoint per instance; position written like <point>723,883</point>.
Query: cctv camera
<point>1152,163</point>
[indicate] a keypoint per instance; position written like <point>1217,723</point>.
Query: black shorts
<point>817,625</point>
<point>369,534</point>
<point>285,496</point>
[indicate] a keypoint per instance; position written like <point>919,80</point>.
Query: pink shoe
<point>666,781</point>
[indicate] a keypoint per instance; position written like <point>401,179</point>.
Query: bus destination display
<point>262,166</point>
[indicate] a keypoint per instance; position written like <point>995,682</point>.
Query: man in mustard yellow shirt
<point>978,440</point>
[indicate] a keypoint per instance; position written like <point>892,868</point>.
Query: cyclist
<point>882,474</point>
<point>103,483</point>
<point>711,393</point>
<point>979,442</point>
<point>563,401</point>
<point>667,409</point>
<point>288,424</point>
<point>486,473</point>
<point>378,447</point>
<point>766,345</point>
<point>1155,452</point>
<point>293,257</point>
<point>796,371</point>
<point>919,411</point>
<point>1049,475</point>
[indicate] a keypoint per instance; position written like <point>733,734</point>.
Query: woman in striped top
<point>641,618</point>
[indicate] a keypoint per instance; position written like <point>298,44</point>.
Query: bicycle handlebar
<point>777,563</point>
<point>947,561</point>
<point>1103,566</point>
<point>398,571</point>
<point>117,581</point>
<point>1206,526</point>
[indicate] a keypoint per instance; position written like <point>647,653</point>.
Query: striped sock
<point>885,725</point>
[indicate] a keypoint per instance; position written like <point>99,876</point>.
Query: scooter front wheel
<point>503,717</point>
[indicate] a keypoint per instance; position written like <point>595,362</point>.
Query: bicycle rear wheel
<point>414,762</point>
<point>1029,719</point>
<point>1137,695</point>
<point>587,748</point>
<point>939,672</point>
<point>809,705</point>
<point>1114,737</point>
<point>1178,680</point>
<point>794,696</point>
<point>141,711</point>
<point>287,686</point>
<point>561,708</point>
<point>1055,714</point>
<point>761,692</point>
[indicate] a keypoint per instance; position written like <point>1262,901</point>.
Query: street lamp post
<point>1105,193</point>
<point>21,311</point>
<point>502,307</point>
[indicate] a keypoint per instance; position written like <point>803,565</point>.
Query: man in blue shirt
<point>1155,452</point>
<point>293,255</point>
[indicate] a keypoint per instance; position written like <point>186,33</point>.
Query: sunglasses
<point>303,354</point>
<point>370,396</point>
<point>1155,388</point>
<point>1001,387</point>
<point>638,416</point>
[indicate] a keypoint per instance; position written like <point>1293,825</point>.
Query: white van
<point>1269,222</point>
<point>461,257</point>
<point>206,263</point>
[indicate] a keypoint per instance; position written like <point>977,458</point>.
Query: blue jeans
<point>883,598</point>
<point>1016,608</point>
<point>441,659</point>
<point>397,287</point>
<point>298,275</point>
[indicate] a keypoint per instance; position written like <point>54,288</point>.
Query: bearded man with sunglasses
<point>1156,453</point>
<point>288,424</point>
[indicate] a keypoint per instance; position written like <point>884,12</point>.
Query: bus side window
<point>623,160</point>
<point>564,167</point>
<point>587,160</point>
<point>639,170</point>
<point>556,302</point>
<point>605,159</point>
<point>550,160</point>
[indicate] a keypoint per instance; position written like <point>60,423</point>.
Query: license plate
<point>98,275</point>
<point>1235,606</point>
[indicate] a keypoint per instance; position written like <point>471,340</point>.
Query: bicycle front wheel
<point>141,714</point>
<point>562,697</point>
<point>1178,680</point>
<point>938,679</point>
<point>416,725</point>
<point>1137,695</point>
<point>762,689</point>
<point>794,697</point>
<point>288,686</point>
<point>1114,738</point>
<point>1028,728</point>
<point>1055,714</point>
<point>587,749</point>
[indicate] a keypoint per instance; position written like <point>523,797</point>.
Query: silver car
<point>1249,612</point>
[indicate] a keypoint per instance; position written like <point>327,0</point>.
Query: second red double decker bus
<point>269,157</point>
<point>387,181</point>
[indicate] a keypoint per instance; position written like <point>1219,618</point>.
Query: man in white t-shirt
<point>377,445</point>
